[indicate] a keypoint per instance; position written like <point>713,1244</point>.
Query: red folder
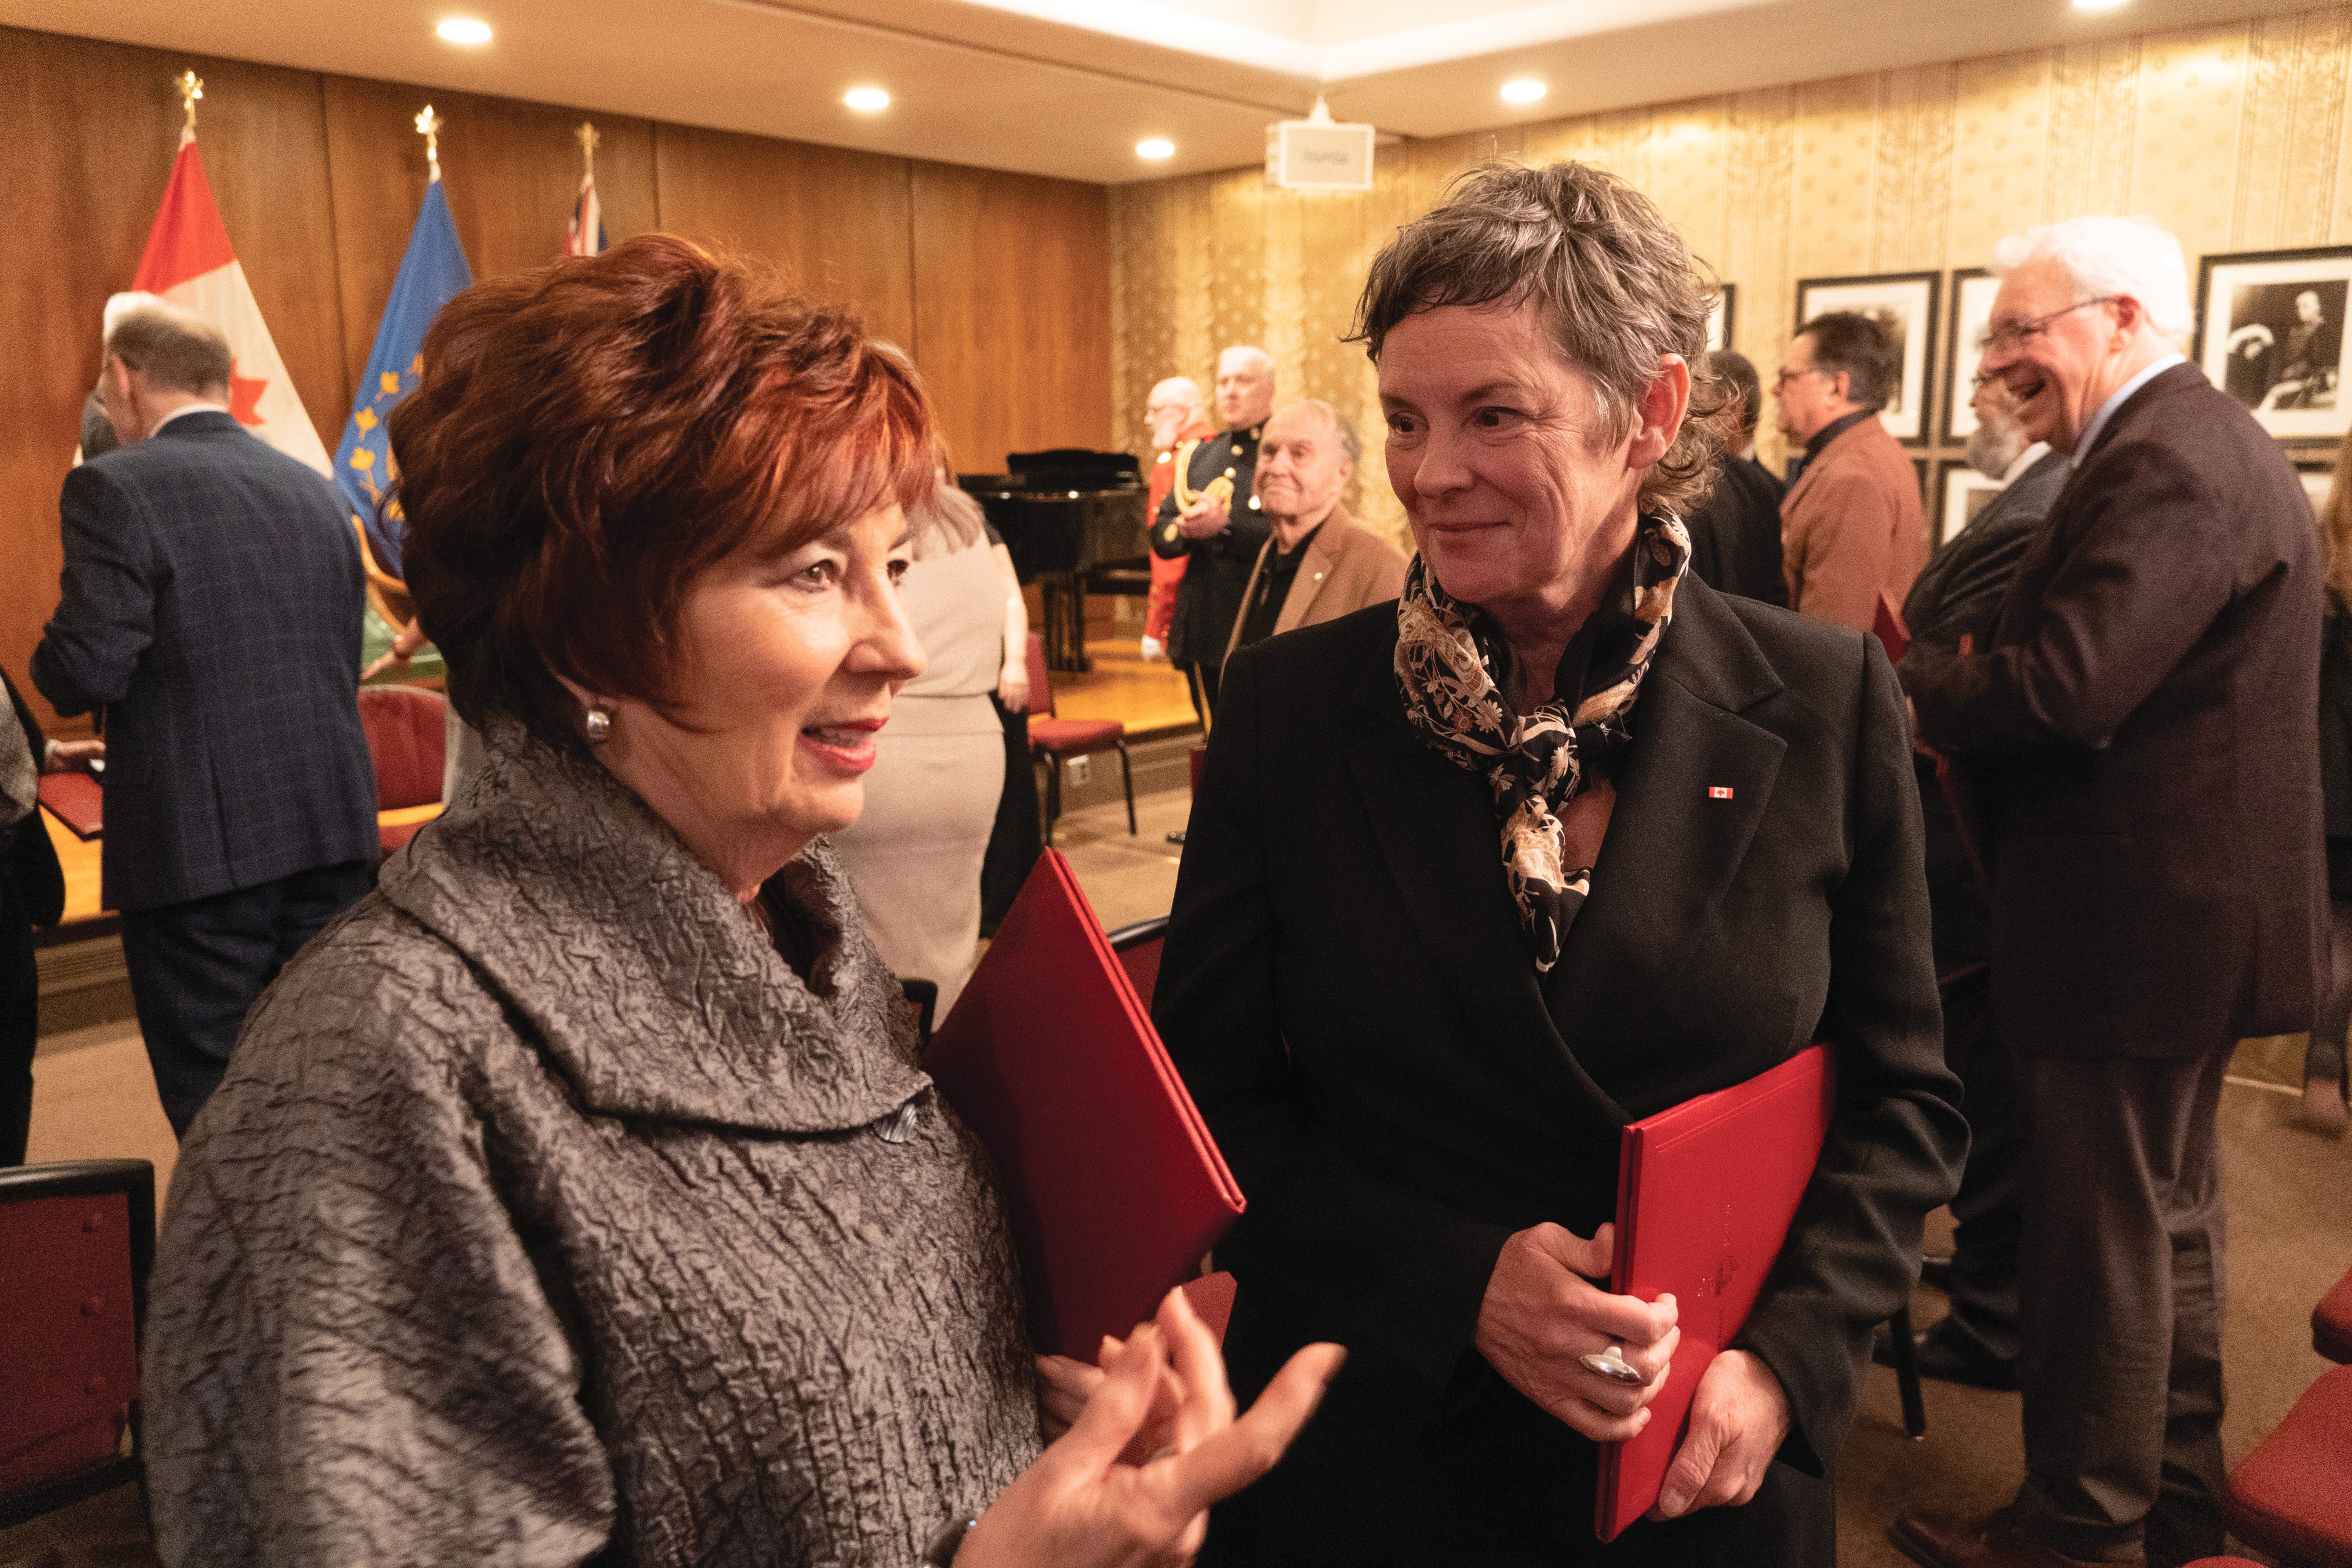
<point>1113,1184</point>
<point>76,800</point>
<point>1888,628</point>
<point>1705,1195</point>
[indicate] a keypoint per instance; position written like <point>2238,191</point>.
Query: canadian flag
<point>188,261</point>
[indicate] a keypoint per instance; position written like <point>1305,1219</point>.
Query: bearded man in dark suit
<point>1950,607</point>
<point>2140,728</point>
<point>211,605</point>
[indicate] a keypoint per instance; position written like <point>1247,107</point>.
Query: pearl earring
<point>599,726</point>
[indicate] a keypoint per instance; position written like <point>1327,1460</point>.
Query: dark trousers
<point>1201,679</point>
<point>1015,843</point>
<point>197,967</point>
<point>2121,1276</point>
<point>1990,1205</point>
<point>20,1021</point>
<point>2324,1057</point>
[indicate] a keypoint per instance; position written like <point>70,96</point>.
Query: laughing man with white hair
<point>2139,728</point>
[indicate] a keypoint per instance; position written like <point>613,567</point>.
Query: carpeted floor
<point>2289,1195</point>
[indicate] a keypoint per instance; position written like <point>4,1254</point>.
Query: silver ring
<point>1612,1364</point>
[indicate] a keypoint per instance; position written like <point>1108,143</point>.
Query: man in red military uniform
<point>1178,413</point>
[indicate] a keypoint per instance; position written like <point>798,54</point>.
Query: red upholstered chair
<point>76,1241</point>
<point>2289,1496</point>
<point>2331,1322</point>
<point>1057,739</point>
<point>407,734</point>
<point>1138,947</point>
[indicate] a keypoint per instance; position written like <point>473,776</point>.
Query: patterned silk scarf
<point>1454,668</point>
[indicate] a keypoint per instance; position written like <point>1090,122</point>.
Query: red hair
<point>587,439</point>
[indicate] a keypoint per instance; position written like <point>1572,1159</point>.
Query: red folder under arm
<point>1705,1195</point>
<point>76,800</point>
<point>1888,628</point>
<point>1113,1184</point>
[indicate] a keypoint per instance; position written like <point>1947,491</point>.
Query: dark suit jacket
<point>211,603</point>
<point>1209,599</point>
<point>1345,990</point>
<point>1957,593</point>
<point>31,882</point>
<point>1735,533</point>
<point>2139,733</point>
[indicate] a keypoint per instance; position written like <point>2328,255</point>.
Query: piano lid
<point>1072,469</point>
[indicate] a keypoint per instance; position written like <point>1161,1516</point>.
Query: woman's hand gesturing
<point>1078,1507</point>
<point>1542,1314</point>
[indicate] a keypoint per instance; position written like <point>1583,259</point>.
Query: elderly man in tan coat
<point>1849,525</point>
<point>1317,565</point>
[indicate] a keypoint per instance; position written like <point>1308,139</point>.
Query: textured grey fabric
<point>544,1213</point>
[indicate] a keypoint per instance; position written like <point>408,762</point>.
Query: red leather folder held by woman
<point>1705,1195</point>
<point>1113,1184</point>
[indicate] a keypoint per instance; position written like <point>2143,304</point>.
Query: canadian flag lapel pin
<point>1718,791</point>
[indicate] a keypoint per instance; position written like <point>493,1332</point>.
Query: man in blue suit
<point>211,605</point>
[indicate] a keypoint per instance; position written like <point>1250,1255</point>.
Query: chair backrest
<point>77,1239</point>
<point>1041,682</point>
<point>1138,947</point>
<point>407,734</point>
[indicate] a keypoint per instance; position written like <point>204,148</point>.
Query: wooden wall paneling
<point>837,222</point>
<point>1011,306</point>
<point>92,129</point>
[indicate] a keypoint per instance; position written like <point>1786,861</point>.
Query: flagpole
<point>192,88</point>
<point>428,125</point>
<point>588,139</point>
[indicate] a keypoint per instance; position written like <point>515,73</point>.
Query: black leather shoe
<point>1936,1271</point>
<point>1988,1541</point>
<point>1946,1359</point>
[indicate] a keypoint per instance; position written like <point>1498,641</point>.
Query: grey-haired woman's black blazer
<point>1345,990</point>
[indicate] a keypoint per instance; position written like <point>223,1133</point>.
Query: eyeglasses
<point>2002,336</point>
<point>1785,377</point>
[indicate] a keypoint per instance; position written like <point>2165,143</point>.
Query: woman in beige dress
<point>930,802</point>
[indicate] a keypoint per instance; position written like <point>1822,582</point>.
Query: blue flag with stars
<point>430,273</point>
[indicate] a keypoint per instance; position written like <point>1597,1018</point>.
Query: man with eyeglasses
<point>2140,729</point>
<point>1849,525</point>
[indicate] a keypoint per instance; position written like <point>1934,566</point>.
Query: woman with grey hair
<point>1561,839</point>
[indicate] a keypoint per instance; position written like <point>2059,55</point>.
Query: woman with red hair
<point>579,1195</point>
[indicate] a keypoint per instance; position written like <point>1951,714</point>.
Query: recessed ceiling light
<point>867,100</point>
<point>463,30</point>
<point>1155,147</point>
<point>1527,90</point>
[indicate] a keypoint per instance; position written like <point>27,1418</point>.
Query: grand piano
<point>1067,516</point>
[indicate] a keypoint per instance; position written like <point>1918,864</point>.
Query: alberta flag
<point>430,273</point>
<point>586,235</point>
<point>188,261</point>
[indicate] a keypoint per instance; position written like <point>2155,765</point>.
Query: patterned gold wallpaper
<point>2233,136</point>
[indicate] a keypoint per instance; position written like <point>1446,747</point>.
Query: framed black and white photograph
<point>2319,479</point>
<point>1905,304</point>
<point>1719,321</point>
<point>2269,333</point>
<point>1973,289</point>
<point>1961,492</point>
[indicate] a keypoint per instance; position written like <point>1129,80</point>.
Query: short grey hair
<point>2128,257</point>
<point>1256,354</point>
<point>1343,428</point>
<point>1616,282</point>
<point>176,351</point>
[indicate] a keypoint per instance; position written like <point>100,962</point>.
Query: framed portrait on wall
<point>1961,492</point>
<point>1905,304</point>
<point>1719,321</point>
<point>1972,291</point>
<point>2319,479</point>
<point>1920,466</point>
<point>2269,333</point>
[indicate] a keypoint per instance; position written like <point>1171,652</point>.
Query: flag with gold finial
<point>433,269</point>
<point>190,264</point>
<point>586,235</point>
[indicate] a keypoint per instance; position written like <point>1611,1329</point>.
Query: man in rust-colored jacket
<point>1317,565</point>
<point>1849,525</point>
